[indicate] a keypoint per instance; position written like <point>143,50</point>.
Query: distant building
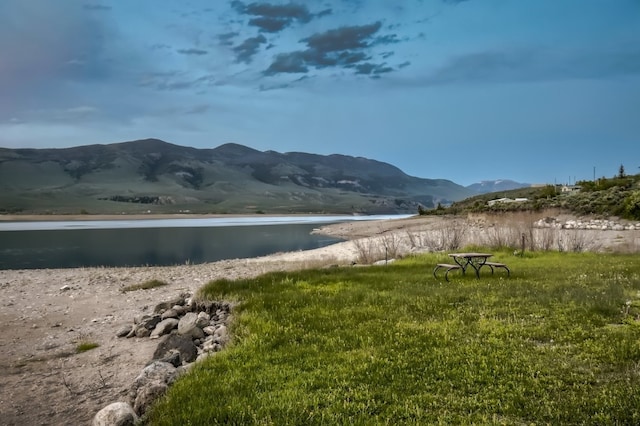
<point>571,188</point>
<point>506,200</point>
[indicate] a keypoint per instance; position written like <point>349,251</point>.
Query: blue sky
<point>467,90</point>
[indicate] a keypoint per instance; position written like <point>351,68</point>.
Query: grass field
<point>556,343</point>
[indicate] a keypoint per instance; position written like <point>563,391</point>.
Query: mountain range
<point>154,176</point>
<point>487,186</point>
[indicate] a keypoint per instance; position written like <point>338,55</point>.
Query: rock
<point>151,322</point>
<point>169,313</point>
<point>142,331</point>
<point>221,335</point>
<point>188,326</point>
<point>161,307</point>
<point>209,330</point>
<point>210,346</point>
<point>177,343</point>
<point>124,331</point>
<point>116,414</point>
<point>147,395</point>
<point>203,319</point>
<point>164,327</point>
<point>178,309</point>
<point>151,382</point>
<point>172,358</point>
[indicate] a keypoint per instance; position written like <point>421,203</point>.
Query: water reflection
<point>71,248</point>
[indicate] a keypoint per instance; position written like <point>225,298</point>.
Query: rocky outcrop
<point>187,331</point>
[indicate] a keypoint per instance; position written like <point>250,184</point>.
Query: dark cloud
<point>226,39</point>
<point>345,47</point>
<point>368,68</point>
<point>192,51</point>
<point>343,38</point>
<point>293,62</point>
<point>248,48</point>
<point>325,12</point>
<point>96,7</point>
<point>270,25</point>
<point>286,11</point>
<point>274,18</point>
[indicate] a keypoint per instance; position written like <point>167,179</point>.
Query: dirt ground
<point>44,314</point>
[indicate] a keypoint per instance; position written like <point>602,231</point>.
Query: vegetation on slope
<point>556,343</point>
<point>617,196</point>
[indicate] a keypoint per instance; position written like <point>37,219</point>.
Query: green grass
<point>556,343</point>
<point>147,285</point>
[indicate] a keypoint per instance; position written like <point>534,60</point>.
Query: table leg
<point>477,264</point>
<point>463,265</point>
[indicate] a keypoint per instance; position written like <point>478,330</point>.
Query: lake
<point>157,242</point>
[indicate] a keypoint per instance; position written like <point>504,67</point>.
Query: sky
<point>544,91</point>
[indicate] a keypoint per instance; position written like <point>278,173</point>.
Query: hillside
<point>617,196</point>
<point>154,176</point>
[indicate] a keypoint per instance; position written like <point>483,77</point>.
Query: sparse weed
<point>144,286</point>
<point>85,346</point>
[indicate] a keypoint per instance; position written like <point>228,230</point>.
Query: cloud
<point>226,39</point>
<point>536,64</point>
<point>368,68</point>
<point>293,62</point>
<point>345,47</point>
<point>273,17</point>
<point>192,51</point>
<point>174,80</point>
<point>248,48</point>
<point>96,7</point>
<point>270,25</point>
<point>343,38</point>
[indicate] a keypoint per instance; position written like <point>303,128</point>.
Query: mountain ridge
<point>152,175</point>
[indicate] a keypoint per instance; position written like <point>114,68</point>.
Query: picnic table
<point>464,260</point>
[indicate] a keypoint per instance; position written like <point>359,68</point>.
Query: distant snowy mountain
<point>487,186</point>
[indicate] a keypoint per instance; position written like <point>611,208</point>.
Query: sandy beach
<point>45,313</point>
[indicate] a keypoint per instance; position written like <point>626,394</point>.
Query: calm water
<point>38,245</point>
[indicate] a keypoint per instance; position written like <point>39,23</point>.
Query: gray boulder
<point>176,343</point>
<point>151,382</point>
<point>116,414</point>
<point>164,327</point>
<point>188,326</point>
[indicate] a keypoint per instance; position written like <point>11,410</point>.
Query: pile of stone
<point>594,224</point>
<point>188,331</point>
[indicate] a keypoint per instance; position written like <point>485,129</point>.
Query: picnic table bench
<point>464,260</point>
